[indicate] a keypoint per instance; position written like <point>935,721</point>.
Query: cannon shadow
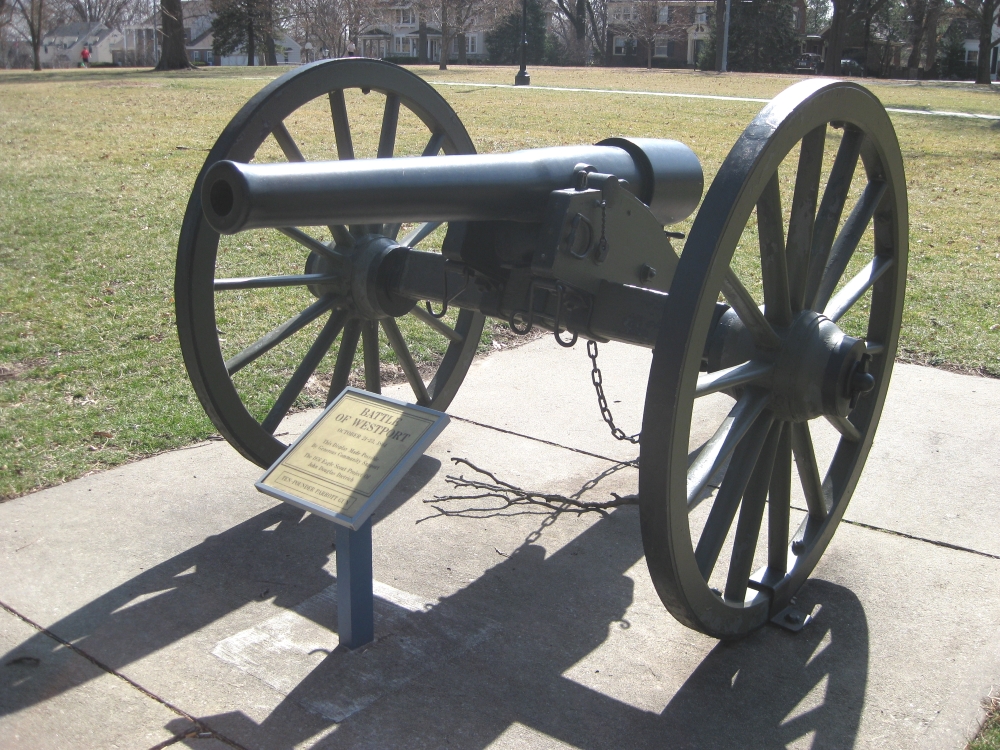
<point>771,689</point>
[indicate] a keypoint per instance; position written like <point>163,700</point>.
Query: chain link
<point>602,401</point>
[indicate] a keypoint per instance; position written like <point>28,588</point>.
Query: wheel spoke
<point>373,368</point>
<point>270,340</point>
<point>398,345</point>
<point>288,146</point>
<point>803,216</point>
<point>845,427</point>
<point>345,358</point>
<point>306,368</point>
<point>855,289</point>
<point>848,240</point>
<point>720,518</point>
<point>774,267</point>
<point>741,301</point>
<point>751,515</point>
<point>779,502</point>
<point>831,208</point>
<point>419,233</point>
<point>721,445</point>
<point>805,462</point>
<point>434,144</point>
<point>341,126</point>
<point>310,242</point>
<point>438,325</point>
<point>270,282</point>
<point>390,121</point>
<point>731,377</point>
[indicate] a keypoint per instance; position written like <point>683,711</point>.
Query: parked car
<point>851,68</point>
<point>809,63</point>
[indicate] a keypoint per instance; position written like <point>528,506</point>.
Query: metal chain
<point>598,381</point>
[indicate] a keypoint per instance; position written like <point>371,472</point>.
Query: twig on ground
<point>511,496</point>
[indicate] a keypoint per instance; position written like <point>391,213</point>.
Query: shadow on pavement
<point>279,554</point>
<point>553,611</point>
<point>548,614</point>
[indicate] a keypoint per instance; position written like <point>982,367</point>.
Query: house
<point>140,45</point>
<point>679,30</point>
<point>62,47</point>
<point>397,35</point>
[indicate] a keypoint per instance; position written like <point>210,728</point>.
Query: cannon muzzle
<point>665,175</point>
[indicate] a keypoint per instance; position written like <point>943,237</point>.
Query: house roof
<point>77,31</point>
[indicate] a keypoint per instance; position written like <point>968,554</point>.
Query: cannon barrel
<point>663,174</point>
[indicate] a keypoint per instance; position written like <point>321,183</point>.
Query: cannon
<point>786,298</point>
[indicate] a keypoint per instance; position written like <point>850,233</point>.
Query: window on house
<point>187,35</point>
<point>404,16</point>
<point>972,56</point>
<point>621,45</point>
<point>470,44</point>
<point>701,15</point>
<point>662,47</point>
<point>663,15</point>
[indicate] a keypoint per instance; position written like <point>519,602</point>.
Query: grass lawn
<point>97,166</point>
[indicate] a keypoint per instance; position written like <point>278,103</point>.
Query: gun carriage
<point>771,302</point>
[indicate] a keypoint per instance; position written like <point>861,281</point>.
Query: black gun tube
<point>665,175</point>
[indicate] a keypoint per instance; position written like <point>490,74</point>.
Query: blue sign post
<point>355,600</point>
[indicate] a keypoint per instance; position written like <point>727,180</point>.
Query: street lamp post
<point>522,78</point>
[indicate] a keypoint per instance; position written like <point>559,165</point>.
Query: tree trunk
<point>463,44</point>
<point>720,31</point>
<point>445,37</point>
<point>36,44</point>
<point>649,53</point>
<point>919,13</point>
<point>985,39</point>
<point>835,41</point>
<point>173,56</point>
<point>931,36</point>
<point>422,43</point>
<point>270,54</point>
<point>251,44</point>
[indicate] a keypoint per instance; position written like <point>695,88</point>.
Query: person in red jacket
<point>85,56</point>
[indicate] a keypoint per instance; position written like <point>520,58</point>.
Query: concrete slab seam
<point>633,462</point>
<point>904,535</point>
<point>203,730</point>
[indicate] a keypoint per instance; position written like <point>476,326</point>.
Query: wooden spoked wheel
<point>266,319</point>
<point>790,304</point>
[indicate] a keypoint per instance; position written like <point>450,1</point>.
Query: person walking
<point>351,49</point>
<point>84,58</point>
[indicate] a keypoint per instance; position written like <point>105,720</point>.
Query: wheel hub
<point>820,370</point>
<point>363,273</point>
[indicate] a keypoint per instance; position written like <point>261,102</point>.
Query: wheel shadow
<point>772,689</point>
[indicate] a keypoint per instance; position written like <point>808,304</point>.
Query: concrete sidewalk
<point>168,601</point>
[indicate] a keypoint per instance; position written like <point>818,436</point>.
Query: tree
<point>984,12</point>
<point>817,16</point>
<point>35,15</point>
<point>762,38</point>
<point>112,13</point>
<point>173,55</point>
<point>846,13</point>
<point>644,25</point>
<point>576,14</point>
<point>243,25</point>
<point>503,41</point>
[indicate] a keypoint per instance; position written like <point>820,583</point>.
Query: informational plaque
<point>352,456</point>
